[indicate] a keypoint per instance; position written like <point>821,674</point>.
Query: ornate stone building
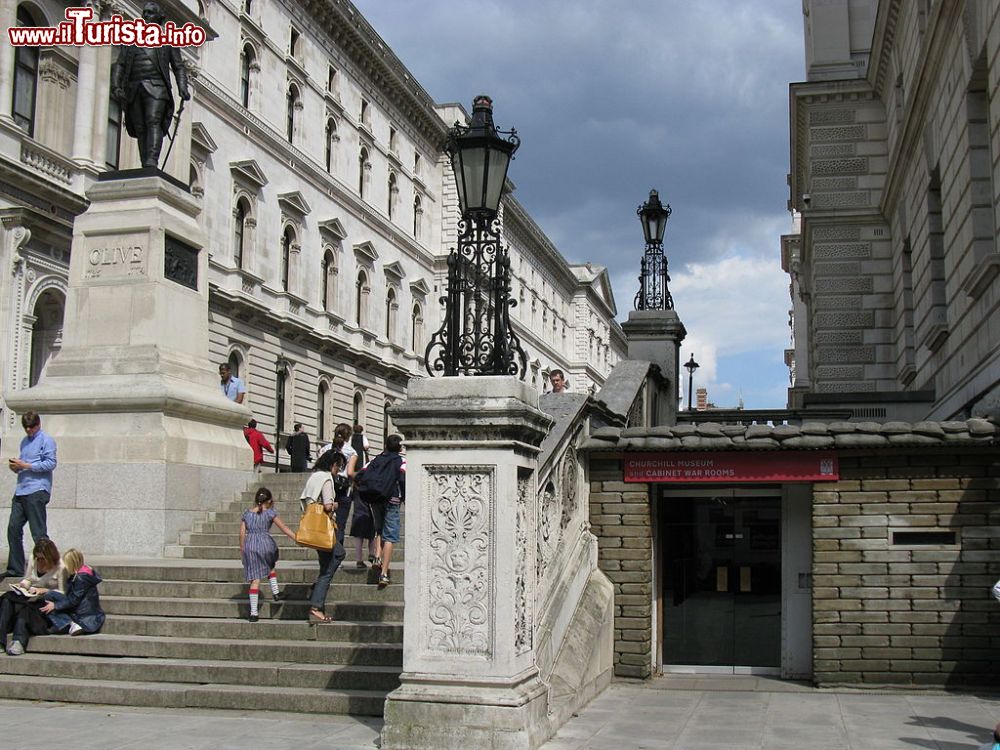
<point>894,145</point>
<point>327,206</point>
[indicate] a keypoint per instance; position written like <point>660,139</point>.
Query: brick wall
<point>620,518</point>
<point>905,614</point>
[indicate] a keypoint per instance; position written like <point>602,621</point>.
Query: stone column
<point>83,126</point>
<point>469,665</point>
<point>146,439</point>
<point>656,336</point>
<point>8,18</point>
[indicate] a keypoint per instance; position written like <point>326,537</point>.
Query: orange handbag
<point>316,528</point>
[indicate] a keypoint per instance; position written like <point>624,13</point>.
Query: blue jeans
<point>344,501</point>
<point>329,561</point>
<point>58,620</point>
<point>28,509</point>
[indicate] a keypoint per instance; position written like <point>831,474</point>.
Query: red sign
<point>779,466</point>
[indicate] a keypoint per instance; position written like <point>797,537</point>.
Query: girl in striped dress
<point>258,550</point>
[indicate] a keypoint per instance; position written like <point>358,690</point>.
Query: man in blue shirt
<point>31,495</point>
<point>231,385</point>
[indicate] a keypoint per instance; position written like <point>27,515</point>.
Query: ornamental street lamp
<point>476,337</point>
<point>690,366</point>
<point>653,293</point>
<point>280,382</point>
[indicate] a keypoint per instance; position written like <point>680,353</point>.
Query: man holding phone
<point>34,487</point>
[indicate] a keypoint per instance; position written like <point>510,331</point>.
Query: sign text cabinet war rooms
<point>845,553</point>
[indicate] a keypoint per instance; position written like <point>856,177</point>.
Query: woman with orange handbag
<point>320,489</point>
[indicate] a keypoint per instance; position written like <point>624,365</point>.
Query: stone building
<point>326,205</point>
<point>894,147</point>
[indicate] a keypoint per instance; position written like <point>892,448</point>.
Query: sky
<point>614,98</point>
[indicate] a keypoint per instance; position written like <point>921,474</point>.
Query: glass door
<point>721,582</point>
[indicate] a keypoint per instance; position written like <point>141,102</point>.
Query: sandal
<point>318,617</point>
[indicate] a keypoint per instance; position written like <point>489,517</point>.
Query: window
<point>113,139</point>
<point>359,409</point>
<point>239,231</point>
<point>247,6</point>
<point>362,290</point>
<point>235,363</point>
<point>390,314</point>
<point>416,164</point>
<point>393,146</point>
<point>393,191</point>
<point>331,79</point>
<point>331,138</point>
<point>293,42</point>
<point>366,118</point>
<point>287,240</point>
<point>321,396</point>
<point>25,78</point>
<point>246,65</point>
<point>417,329</point>
<point>418,213</point>
<point>387,428</point>
<point>291,104</point>
<point>329,280</point>
<point>363,166</point>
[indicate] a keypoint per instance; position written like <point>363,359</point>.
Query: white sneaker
<point>75,629</point>
<point>15,649</point>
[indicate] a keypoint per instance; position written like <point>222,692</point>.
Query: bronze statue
<point>140,81</point>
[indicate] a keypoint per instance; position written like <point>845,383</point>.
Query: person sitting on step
<point>78,611</point>
<point>20,608</point>
<point>258,550</point>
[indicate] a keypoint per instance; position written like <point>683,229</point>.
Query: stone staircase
<point>177,632</point>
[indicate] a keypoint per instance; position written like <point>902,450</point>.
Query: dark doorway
<point>721,581</point>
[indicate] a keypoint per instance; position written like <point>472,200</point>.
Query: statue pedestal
<point>146,440</point>
<point>469,665</point>
<point>656,336</point>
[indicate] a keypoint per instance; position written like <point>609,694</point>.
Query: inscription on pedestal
<point>116,258</point>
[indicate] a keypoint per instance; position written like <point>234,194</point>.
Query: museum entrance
<point>721,577</point>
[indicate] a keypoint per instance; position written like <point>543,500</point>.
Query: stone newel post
<point>469,669</point>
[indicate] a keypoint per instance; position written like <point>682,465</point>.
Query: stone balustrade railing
<point>47,162</point>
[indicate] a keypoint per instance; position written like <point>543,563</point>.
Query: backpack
<point>379,480</point>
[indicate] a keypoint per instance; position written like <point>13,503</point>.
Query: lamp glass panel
<point>473,167</point>
<point>498,163</point>
<point>456,164</point>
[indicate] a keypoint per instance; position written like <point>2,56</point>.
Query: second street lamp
<point>653,292</point>
<point>476,337</point>
<point>690,366</point>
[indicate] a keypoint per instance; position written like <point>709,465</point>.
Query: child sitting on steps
<point>79,609</point>
<point>258,549</point>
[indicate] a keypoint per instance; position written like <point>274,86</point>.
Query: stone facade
<point>895,137</point>
<point>325,201</point>
<point>888,611</point>
<point>620,519</point>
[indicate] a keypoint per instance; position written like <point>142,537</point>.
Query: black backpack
<point>379,480</point>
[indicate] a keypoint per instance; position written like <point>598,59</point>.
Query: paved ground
<point>674,713</point>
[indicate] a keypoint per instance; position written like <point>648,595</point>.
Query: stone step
<point>340,591</point>
<point>375,612</point>
<point>218,649</point>
<point>231,570</point>
<point>276,674</point>
<point>175,695</point>
<point>270,629</point>
<point>289,513</point>
<point>230,538</point>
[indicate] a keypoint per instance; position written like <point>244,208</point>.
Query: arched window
<point>359,409</point>
<point>363,165</point>
<point>46,331</point>
<point>329,280</point>
<point>331,139</point>
<point>284,407</point>
<point>236,364</point>
<point>247,6</point>
<point>387,428</point>
<point>247,58</point>
<point>392,190</point>
<point>418,215</point>
<point>390,314</point>
<point>239,231</point>
<point>25,78</point>
<point>321,396</point>
<point>417,329</point>
<point>361,306</point>
<point>291,105</point>
<point>287,240</point>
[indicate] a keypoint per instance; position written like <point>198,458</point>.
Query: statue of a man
<point>140,81</point>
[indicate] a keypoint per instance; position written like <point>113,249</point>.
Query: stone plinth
<point>469,667</point>
<point>656,336</point>
<point>145,438</point>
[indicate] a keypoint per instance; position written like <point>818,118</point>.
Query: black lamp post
<point>476,337</point>
<point>653,293</point>
<point>280,376</point>
<point>690,366</point>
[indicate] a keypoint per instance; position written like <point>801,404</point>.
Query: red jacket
<point>258,442</point>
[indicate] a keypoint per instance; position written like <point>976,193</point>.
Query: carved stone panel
<point>460,513</point>
<point>523,618</point>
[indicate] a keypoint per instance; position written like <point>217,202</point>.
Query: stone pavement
<point>670,713</point>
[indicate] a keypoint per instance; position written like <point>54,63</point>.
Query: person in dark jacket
<point>79,609</point>
<point>298,448</point>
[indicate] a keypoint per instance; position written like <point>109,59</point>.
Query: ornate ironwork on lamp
<point>653,293</point>
<point>476,337</point>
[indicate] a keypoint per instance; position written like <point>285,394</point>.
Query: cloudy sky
<point>613,98</point>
